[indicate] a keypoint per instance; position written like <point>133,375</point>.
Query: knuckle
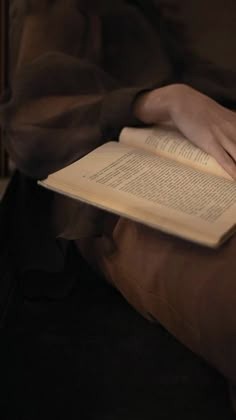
<point>211,145</point>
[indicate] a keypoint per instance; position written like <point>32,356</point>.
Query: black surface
<point>72,348</point>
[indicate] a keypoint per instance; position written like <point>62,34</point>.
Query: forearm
<point>63,103</point>
<point>49,133</point>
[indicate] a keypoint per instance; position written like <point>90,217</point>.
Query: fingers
<point>229,146</point>
<point>217,151</point>
<point>225,135</point>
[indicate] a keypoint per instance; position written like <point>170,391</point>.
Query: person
<point>86,69</point>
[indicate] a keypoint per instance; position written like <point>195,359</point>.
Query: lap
<point>190,289</point>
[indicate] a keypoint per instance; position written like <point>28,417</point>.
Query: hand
<point>203,121</point>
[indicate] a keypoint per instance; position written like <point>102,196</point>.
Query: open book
<point>156,177</point>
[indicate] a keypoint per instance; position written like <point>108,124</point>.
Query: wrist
<point>153,106</point>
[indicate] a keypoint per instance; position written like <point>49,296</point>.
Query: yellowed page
<point>167,142</point>
<point>149,189</point>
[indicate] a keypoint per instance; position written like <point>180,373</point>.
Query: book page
<point>168,142</point>
<point>155,191</point>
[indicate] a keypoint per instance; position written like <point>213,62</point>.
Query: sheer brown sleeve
<point>62,104</point>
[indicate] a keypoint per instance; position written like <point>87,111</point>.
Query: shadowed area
<point>73,348</point>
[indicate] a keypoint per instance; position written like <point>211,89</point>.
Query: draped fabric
<point>79,67</point>
<point>73,88</point>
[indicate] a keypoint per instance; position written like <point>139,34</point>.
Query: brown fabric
<point>82,63</point>
<point>16,16</point>
<point>80,66</point>
<point>202,36</point>
<point>74,86</point>
<point>68,79</point>
<point>189,289</point>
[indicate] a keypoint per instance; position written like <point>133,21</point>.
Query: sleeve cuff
<point>117,111</point>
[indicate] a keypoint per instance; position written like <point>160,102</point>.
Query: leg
<point>190,290</point>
